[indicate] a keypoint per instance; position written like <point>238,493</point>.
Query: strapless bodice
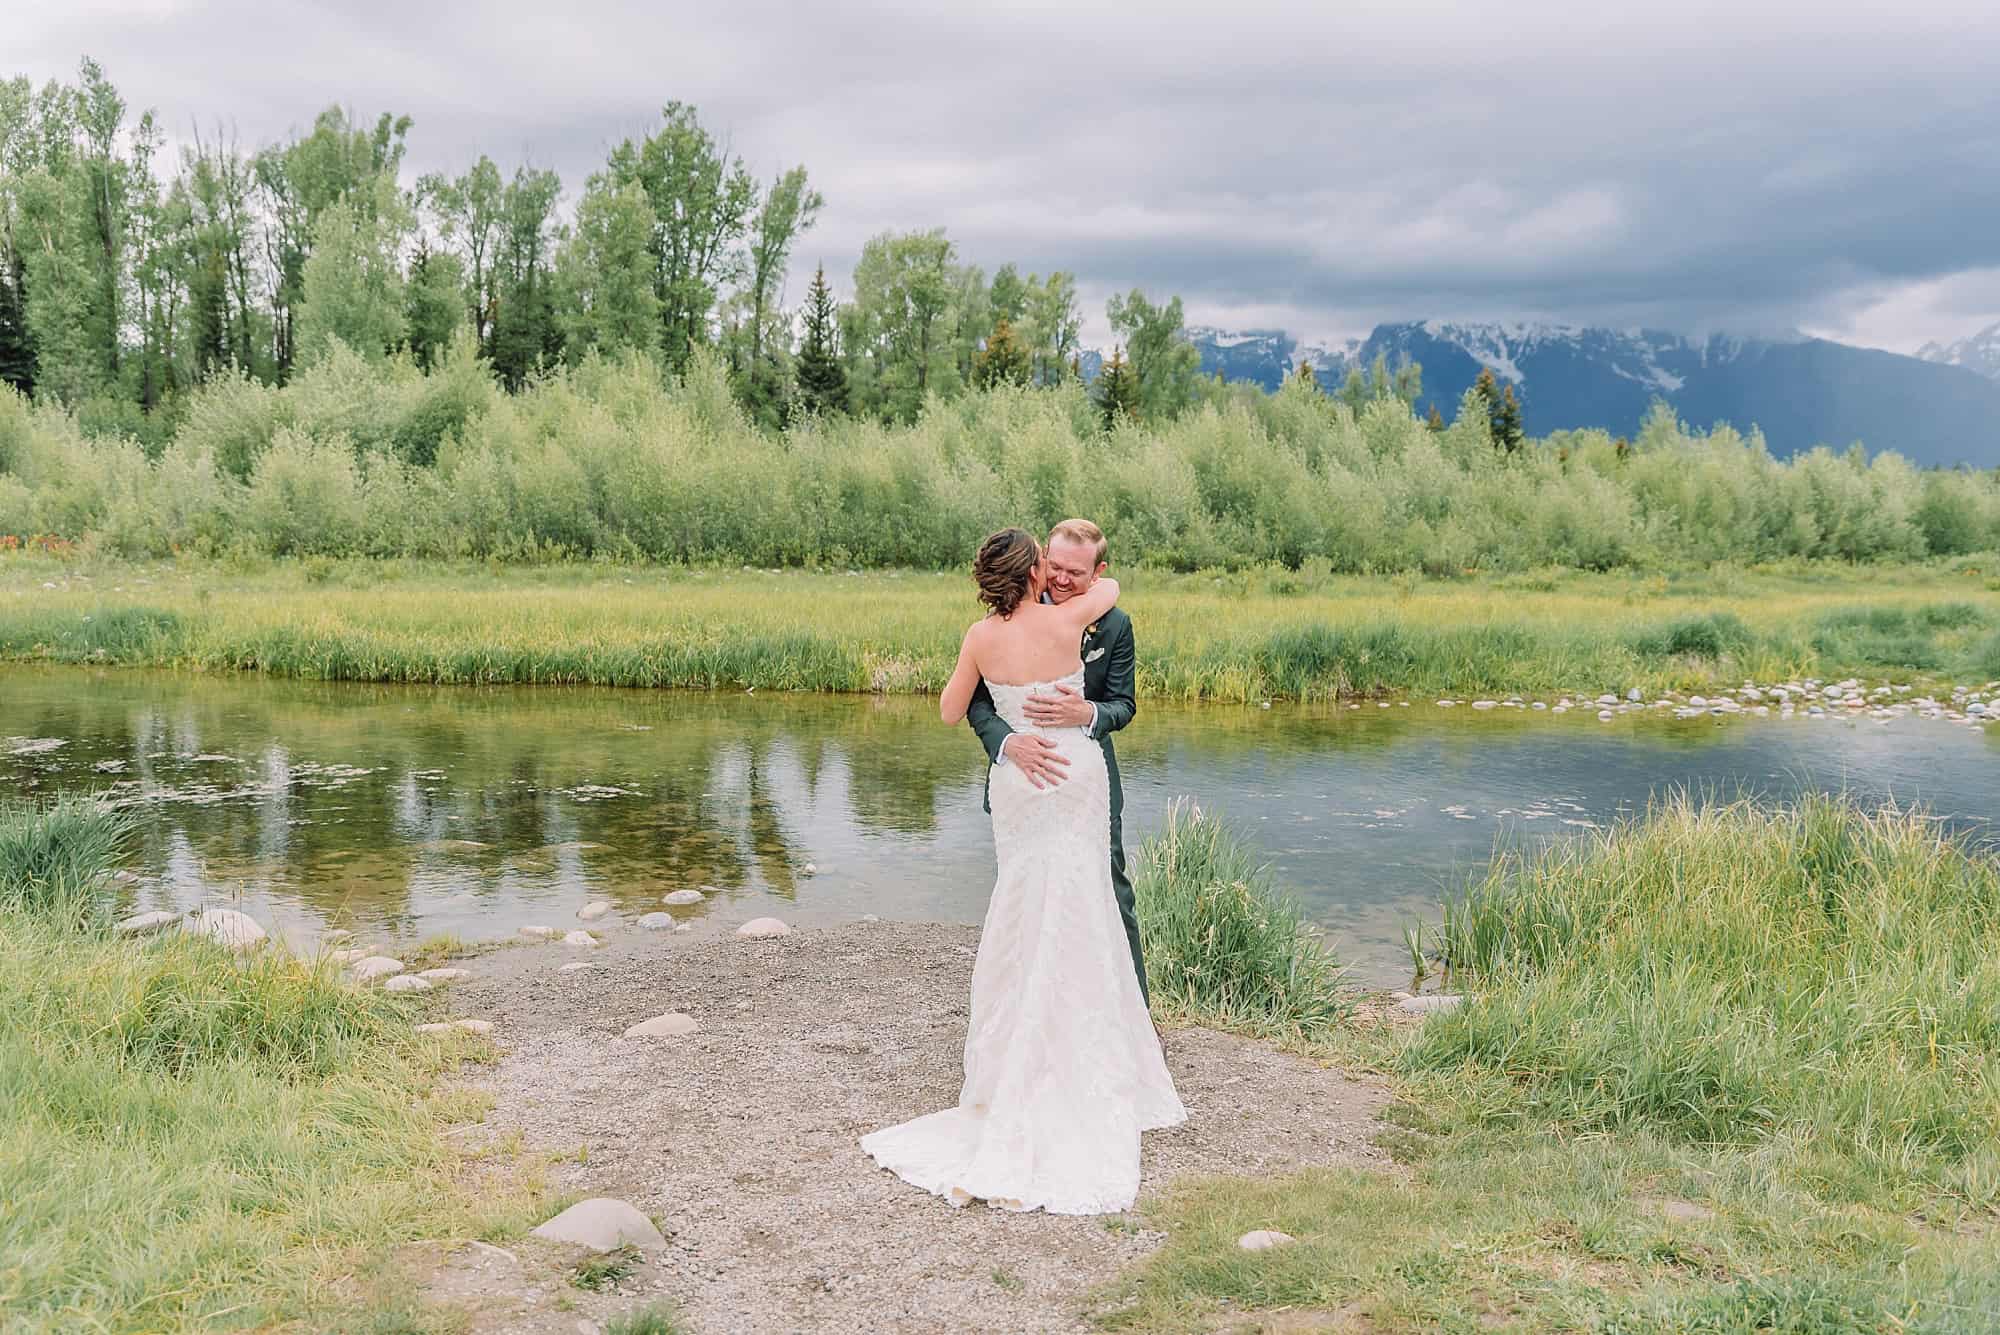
<point>1010,702</point>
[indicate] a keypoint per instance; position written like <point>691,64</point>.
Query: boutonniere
<point>1090,630</point>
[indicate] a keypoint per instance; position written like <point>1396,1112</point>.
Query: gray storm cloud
<point>1719,166</point>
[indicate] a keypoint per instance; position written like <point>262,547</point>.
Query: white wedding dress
<point>1062,1069</point>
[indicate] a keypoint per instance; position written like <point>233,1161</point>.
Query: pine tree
<point>822,380</point>
<point>17,348</point>
<point>1435,420</point>
<point>1507,422</point>
<point>1003,360</point>
<point>1306,377</point>
<point>1117,390</point>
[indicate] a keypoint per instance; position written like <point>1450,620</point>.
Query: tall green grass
<point>189,1142</point>
<point>1233,637</point>
<point>53,855</point>
<point>1819,981</point>
<point>1223,946</point>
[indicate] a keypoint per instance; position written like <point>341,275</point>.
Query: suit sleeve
<point>986,721</point>
<point>1119,704</point>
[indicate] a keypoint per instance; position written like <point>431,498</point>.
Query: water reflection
<point>475,810</point>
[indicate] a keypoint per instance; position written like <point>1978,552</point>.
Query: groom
<point>1075,558</point>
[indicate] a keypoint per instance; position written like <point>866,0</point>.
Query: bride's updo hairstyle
<point>1004,570</point>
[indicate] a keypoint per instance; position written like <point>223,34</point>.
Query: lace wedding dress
<point>1062,1069</point>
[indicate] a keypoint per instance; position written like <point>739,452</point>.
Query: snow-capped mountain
<point>1800,391</point>
<point>1979,354</point>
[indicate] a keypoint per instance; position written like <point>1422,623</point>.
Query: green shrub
<point>52,854</point>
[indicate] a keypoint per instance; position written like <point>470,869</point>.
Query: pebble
<point>227,927</point>
<point>376,966</point>
<point>1605,716</point>
<point>463,1026</point>
<point>579,938</point>
<point>678,898</point>
<point>602,1224</point>
<point>656,922</point>
<point>592,912</point>
<point>144,924</point>
<point>1434,1001</point>
<point>760,927</point>
<point>809,870</point>
<point>539,933</point>
<point>1263,1240</point>
<point>671,1025</point>
<point>407,982</point>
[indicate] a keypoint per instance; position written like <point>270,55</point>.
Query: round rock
<point>537,932</point>
<point>657,922</point>
<point>592,912</point>
<point>602,1224</point>
<point>443,975</point>
<point>763,927</point>
<point>1435,1001</point>
<point>407,982</point>
<point>1263,1240</point>
<point>680,898</point>
<point>579,938</point>
<point>462,1026</point>
<point>671,1025</point>
<point>227,927</point>
<point>375,966</point>
<point>349,955</point>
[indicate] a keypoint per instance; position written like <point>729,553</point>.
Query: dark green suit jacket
<point>1110,665</point>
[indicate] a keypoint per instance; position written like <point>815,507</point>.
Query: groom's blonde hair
<point>1082,530</point>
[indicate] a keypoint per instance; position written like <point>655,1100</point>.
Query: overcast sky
<point>1750,166</point>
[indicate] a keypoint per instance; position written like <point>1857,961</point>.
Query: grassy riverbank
<point>1726,1071</point>
<point>191,1143</point>
<point>1242,636</point>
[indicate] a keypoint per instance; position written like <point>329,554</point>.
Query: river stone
<point>537,932</point>
<point>671,1025</point>
<point>350,955</point>
<point>603,1225</point>
<point>579,938</point>
<point>238,931</point>
<point>123,877</point>
<point>407,982</point>
<point>678,898</point>
<point>1263,1240</point>
<point>760,927</point>
<point>657,922</point>
<point>1484,704</point>
<point>335,934</point>
<point>443,975</point>
<point>145,924</point>
<point>809,870</point>
<point>1435,1001</point>
<point>592,912</point>
<point>1605,716</point>
<point>463,1026</point>
<point>375,966</point>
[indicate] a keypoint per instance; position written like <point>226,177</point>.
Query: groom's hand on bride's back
<point>1039,761</point>
<point>1067,709</point>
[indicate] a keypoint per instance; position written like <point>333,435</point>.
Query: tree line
<point>127,279</point>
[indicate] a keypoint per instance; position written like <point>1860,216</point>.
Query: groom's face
<point>1072,568</point>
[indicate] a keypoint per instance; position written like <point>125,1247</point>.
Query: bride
<point>1062,1067</point>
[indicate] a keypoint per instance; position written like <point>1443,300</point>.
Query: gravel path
<point>742,1138</point>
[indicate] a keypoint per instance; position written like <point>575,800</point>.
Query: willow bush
<point>609,459</point>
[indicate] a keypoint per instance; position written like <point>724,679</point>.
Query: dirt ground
<point>741,1140</point>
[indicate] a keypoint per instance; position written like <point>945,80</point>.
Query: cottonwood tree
<point>605,272</point>
<point>1163,362</point>
<point>702,200</point>
<point>897,333</point>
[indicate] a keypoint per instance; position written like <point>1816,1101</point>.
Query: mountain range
<point>1941,407</point>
